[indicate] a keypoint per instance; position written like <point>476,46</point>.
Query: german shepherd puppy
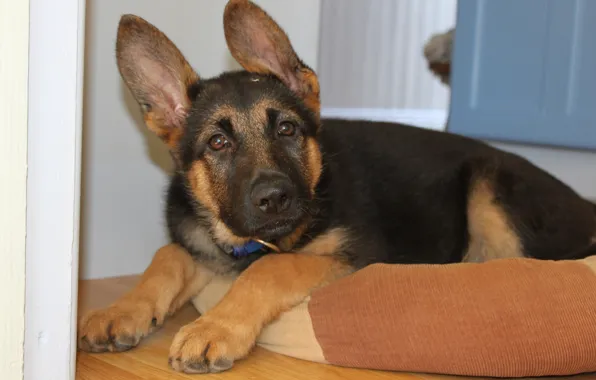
<point>258,171</point>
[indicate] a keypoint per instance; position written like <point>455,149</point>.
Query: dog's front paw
<point>210,345</point>
<point>117,328</point>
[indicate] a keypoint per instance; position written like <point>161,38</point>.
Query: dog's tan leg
<point>270,286</point>
<point>171,280</point>
<point>491,233</point>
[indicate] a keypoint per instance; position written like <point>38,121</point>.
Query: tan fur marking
<point>223,234</point>
<point>200,181</point>
<point>287,243</point>
<point>191,288</point>
<point>270,286</point>
<point>171,280</point>
<point>258,113</point>
<point>253,127</point>
<point>491,234</point>
<point>170,136</point>
<point>223,112</point>
<point>314,163</point>
<point>329,243</point>
<point>312,99</point>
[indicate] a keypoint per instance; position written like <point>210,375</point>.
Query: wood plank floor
<point>149,359</point>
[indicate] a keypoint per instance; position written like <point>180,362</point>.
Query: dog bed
<point>503,318</point>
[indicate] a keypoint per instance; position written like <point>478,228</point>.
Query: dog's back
<point>411,195</point>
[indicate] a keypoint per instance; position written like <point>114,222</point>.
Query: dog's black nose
<point>272,197</point>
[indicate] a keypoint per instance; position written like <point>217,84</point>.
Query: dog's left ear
<point>261,46</point>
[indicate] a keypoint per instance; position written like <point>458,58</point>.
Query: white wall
<point>124,166</point>
<point>372,53</point>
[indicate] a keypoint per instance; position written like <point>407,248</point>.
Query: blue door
<point>525,71</point>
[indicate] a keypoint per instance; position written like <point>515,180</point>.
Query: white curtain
<point>371,53</point>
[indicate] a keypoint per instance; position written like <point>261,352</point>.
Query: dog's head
<point>245,141</point>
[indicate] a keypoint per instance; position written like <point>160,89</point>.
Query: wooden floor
<point>150,359</point>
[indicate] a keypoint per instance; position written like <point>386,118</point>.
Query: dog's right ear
<point>260,45</point>
<point>157,74</point>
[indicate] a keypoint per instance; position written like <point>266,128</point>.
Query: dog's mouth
<point>276,230</point>
<point>264,239</point>
<point>270,229</point>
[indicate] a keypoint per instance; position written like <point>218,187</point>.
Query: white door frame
<point>56,48</point>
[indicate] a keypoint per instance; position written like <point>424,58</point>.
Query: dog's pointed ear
<point>261,46</point>
<point>157,74</point>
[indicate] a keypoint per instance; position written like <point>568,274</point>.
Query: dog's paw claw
<point>198,367</point>
<point>124,342</point>
<point>209,346</point>
<point>114,329</point>
<point>222,364</point>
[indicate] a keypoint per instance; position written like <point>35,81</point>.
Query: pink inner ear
<point>267,53</point>
<point>172,103</point>
<point>166,91</point>
<point>180,110</point>
<point>280,66</point>
<point>271,56</point>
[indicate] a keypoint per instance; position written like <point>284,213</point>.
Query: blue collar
<point>248,248</point>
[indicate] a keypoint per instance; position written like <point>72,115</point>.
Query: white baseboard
<point>424,118</point>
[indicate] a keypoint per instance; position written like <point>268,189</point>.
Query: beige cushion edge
<point>292,334</point>
<point>590,262</point>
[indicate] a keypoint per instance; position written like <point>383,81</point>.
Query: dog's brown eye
<point>286,129</point>
<point>218,142</point>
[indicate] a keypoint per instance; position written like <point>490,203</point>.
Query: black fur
<point>401,192</point>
